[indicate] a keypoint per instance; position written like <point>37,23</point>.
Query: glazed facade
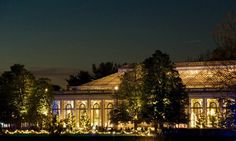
<point>202,79</point>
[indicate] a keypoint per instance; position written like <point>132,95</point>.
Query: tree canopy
<point>129,94</point>
<point>16,86</point>
<point>164,92</point>
<point>152,92</point>
<point>23,96</point>
<point>224,36</point>
<point>80,78</point>
<point>39,107</point>
<point>225,39</point>
<point>104,69</point>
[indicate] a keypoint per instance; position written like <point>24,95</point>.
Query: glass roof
<point>207,74</point>
<point>193,74</point>
<point>109,82</point>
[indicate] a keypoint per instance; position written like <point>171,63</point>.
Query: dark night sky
<point>55,38</point>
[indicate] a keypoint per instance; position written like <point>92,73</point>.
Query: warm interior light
<point>116,88</point>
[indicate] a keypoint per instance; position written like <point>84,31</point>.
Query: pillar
<point>102,112</point>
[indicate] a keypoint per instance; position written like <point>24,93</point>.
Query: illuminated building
<point>204,84</point>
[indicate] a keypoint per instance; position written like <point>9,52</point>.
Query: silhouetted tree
<point>202,57</point>
<point>104,69</point>
<point>56,88</point>
<point>80,78</point>
<point>225,38</point>
<point>16,86</point>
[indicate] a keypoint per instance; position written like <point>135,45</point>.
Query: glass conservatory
<point>206,84</point>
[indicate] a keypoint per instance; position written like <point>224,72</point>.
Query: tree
<point>130,91</point>
<point>39,103</point>
<point>164,92</point>
<point>225,39</point>
<point>70,122</point>
<point>224,36</point>
<point>80,78</point>
<point>16,86</point>
<point>120,114</point>
<point>23,98</point>
<point>55,127</point>
<point>202,57</point>
<point>227,115</point>
<point>104,69</point>
<point>83,77</point>
<point>201,120</point>
<point>7,105</point>
<point>223,74</point>
<point>84,121</point>
<point>56,88</point>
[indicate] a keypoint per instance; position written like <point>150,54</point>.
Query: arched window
<point>96,114</point>
<point>68,110</point>
<point>213,105</point>
<point>197,109</point>
<point>212,117</point>
<point>108,109</point>
<point>55,109</point>
<point>82,107</point>
<point>197,113</point>
<point>212,108</point>
<point>82,110</point>
<point>196,104</point>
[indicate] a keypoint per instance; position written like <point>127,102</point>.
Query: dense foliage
<point>23,98</point>
<point>152,92</point>
<point>130,91</point>
<point>164,92</point>
<point>80,78</point>
<point>104,69</point>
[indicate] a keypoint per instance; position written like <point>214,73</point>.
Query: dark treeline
<point>103,69</point>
